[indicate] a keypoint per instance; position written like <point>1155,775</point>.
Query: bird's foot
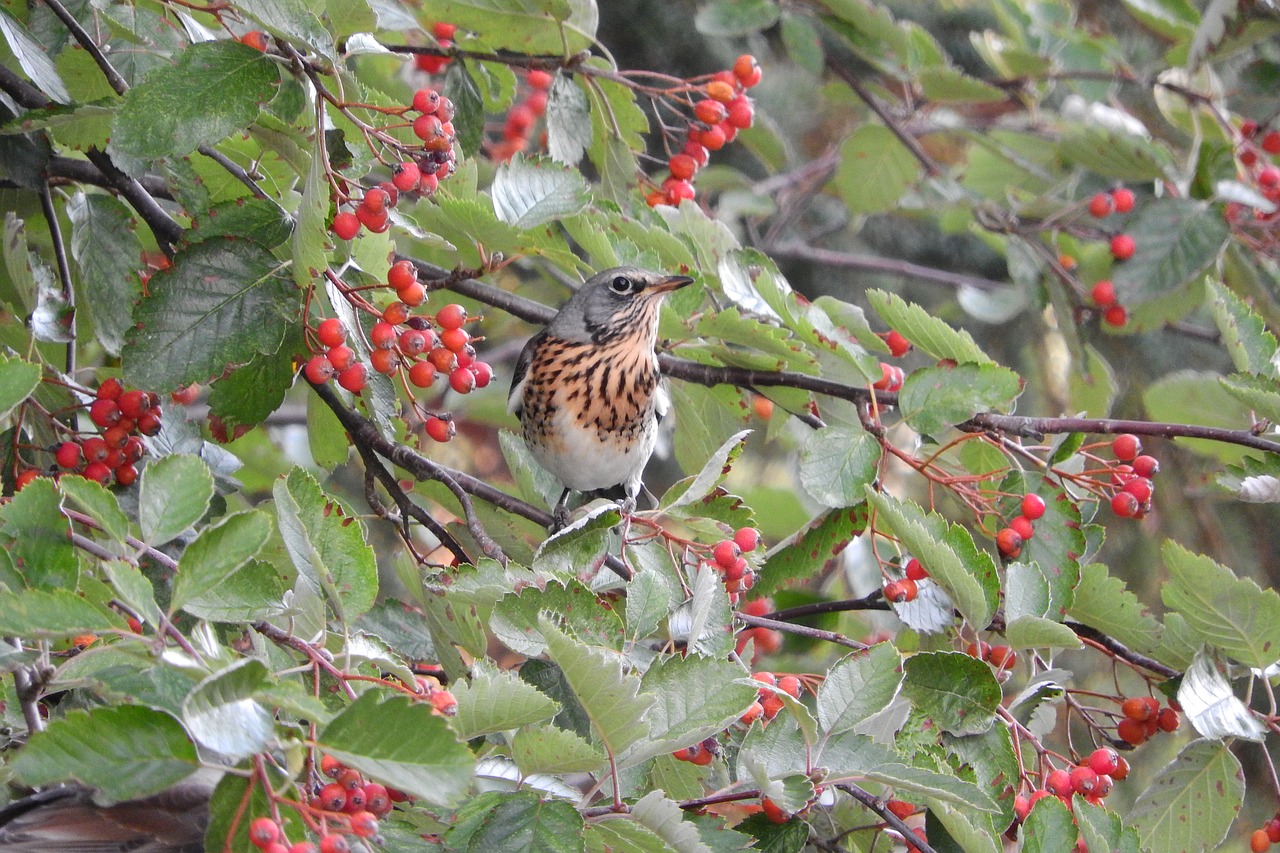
<point>627,505</point>
<point>559,519</point>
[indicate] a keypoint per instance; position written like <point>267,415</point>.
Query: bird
<point>587,389</point>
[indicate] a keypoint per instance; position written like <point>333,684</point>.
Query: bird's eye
<point>621,284</point>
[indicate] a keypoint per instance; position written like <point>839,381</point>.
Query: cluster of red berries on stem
<point>522,118</point>
<point>121,417</point>
<point>1266,835</point>
<point>1255,152</point>
<point>766,641</point>
<point>892,376</point>
<point>725,110</point>
<point>1143,718</point>
<point>701,753</point>
<point>444,34</point>
<point>906,588</point>
<point>1104,296</point>
<point>1093,778</point>
<point>735,571</point>
<point>768,703</point>
<point>1009,540</point>
<point>1000,656</point>
<point>1132,477</point>
<point>1118,200</point>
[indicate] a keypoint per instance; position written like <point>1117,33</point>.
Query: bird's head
<point>616,302</point>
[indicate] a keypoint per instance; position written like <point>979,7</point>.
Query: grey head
<point>612,299</point>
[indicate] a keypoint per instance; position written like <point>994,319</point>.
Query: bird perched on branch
<point>587,389</point>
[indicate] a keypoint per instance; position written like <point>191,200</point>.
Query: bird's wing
<point>515,397</point>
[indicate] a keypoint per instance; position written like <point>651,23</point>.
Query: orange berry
<point>775,813</point>
<point>1258,841</point>
<point>721,91</point>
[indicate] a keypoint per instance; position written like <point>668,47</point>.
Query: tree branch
<point>892,266</point>
<point>850,79</point>
<point>872,802</point>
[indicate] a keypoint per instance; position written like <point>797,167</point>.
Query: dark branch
<point>872,802</point>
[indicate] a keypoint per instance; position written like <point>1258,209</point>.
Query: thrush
<point>587,389</point>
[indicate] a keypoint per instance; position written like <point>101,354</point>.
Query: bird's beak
<point>670,283</point>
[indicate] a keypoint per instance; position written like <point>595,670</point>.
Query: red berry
<point>710,111</point>
<point>104,413</point>
<point>1269,177</point>
<point>382,335</point>
<point>334,844</point>
<point>442,30</point>
<point>413,295</point>
<point>1022,526</point>
<point>126,474</point>
<point>713,138</point>
<point>747,70</point>
<point>1248,128</point>
<point>462,380</point>
<point>1124,505</point>
<point>676,191</point>
<point>444,360</point>
<point>427,126</point>
<point>916,570</point>
<point>1136,708</point>
<point>1083,780</point>
<point>330,332</point>
<point>1116,316</point>
<point>255,39</point>
<point>1167,719</point>
<point>1009,543</point>
<point>405,176</point>
<point>426,100</point>
<point>1102,788</point>
<point>754,712</point>
<point>422,374</point>
<point>1104,760</point>
<point>68,454</point>
<point>900,591</point>
<point>97,471</point>
<point>742,113</point>
<point>540,80</point>
<point>331,766</point>
<point>353,378</point>
<point>1123,198</point>
<point>1248,155</point>
<point>263,831</point>
<point>304,847</point>
<point>1140,488</point>
<point>379,801</point>
<point>364,824</point>
<point>1122,247</point>
<point>385,361</point>
<point>1059,782</point>
<point>483,372</point>
<point>1271,142</point>
<point>346,225</point>
<point>1126,447</point>
<point>1103,293</point>
<point>898,345</point>
<point>682,166</point>
<point>773,811</point>
<point>455,340</point>
<point>1100,205</point>
<point>333,797</point>
<point>451,317</point>
<point>1122,769</point>
<point>110,389</point>
<point>746,538</point>
<point>1146,466</point>
<point>701,156</point>
<point>133,404</point>
<point>1259,841</point>
<point>440,429</point>
<point>1021,807</point>
<point>341,358</point>
<point>1033,506</point>
<point>1002,657</point>
<point>412,342</point>
<point>1273,829</point>
<point>726,552</point>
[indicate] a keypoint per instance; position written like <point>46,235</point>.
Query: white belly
<point>584,463</point>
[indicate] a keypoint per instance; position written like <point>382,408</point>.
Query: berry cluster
<point>1143,717</point>
<point>1266,835</point>
<point>420,347</point>
<point>719,116</point>
<point>522,118</point>
<point>737,574</point>
<point>768,703</point>
<point>1132,478</point>
<point>1104,296</point>
<point>444,34</point>
<point>1009,540</point>
<point>906,588</point>
<point>1093,778</point>
<point>892,376</point>
<point>766,641</point>
<point>1001,657</point>
<point>121,416</point>
<point>701,753</point>
<point>1118,200</point>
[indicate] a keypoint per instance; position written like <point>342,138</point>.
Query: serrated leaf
<point>547,749</point>
<point>948,85</point>
<point>498,702</point>
<point>108,255</point>
<point>1049,828</point>
<point>1211,705</point>
<point>972,832</point>
<point>18,379</point>
<point>222,714</point>
<point>252,592</point>
<point>214,89</point>
<point>1115,154</point>
<point>328,548</point>
<point>666,819</point>
<point>1177,240</point>
<point>1193,801</point>
<point>308,245</point>
<point>217,553</point>
<point>527,193</point>
<point>1230,613</point>
<point>53,614</point>
<point>934,398</point>
<point>1194,397</point>
<point>1101,829</point>
<point>954,562</point>
<point>857,756</point>
<point>1260,393</point>
<point>568,121</point>
<point>610,697</point>
<point>925,331</point>
<point>38,537</point>
<point>32,58</point>
<point>806,552</point>
<point>713,473</point>
<point>499,821</point>
<point>253,391</point>
<point>124,752</point>
<point>957,692</point>
<point>837,464</point>
<point>875,170</point>
<point>858,688</point>
<point>515,618</point>
<point>220,303</point>
<point>292,20</point>
<point>370,735</point>
<point>1037,632</point>
<point>173,494</point>
<point>1251,345</point>
<point>729,18</point>
<point>133,589</point>
<point>694,697</point>
<point>620,832</point>
<point>557,27</point>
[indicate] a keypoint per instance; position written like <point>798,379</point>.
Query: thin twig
<point>872,802</point>
<point>64,272</point>
<point>801,630</point>
<point>850,79</point>
<point>318,657</point>
<point>891,266</point>
<point>81,35</point>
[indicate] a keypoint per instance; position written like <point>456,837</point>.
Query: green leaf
<point>694,489</point>
<point>1115,154</point>
<point>925,331</point>
<point>856,755</point>
<point>1101,829</point>
<point>1193,801</point>
<point>373,737</point>
<point>1233,614</point>
<point>971,831</point>
<point>218,553</point>
<point>461,88</point>
<point>215,89</point>
<point>528,193</point>
<point>257,219</point>
<point>581,542</point>
<point>134,589</point>
<point>934,398</point>
<point>875,170</point>
<point>569,121</point>
<point>609,697</point>
<point>1191,397</point>
<point>252,392</point>
<point>498,702</point>
<point>694,697</point>
<point>1260,393</point>
<point>957,692</point>
<point>520,820</point>
<point>125,752</point>
<point>252,592</point>
<point>837,463</point>
<point>947,551</point>
<point>173,495</point>
<point>558,27</point>
<point>1251,345</point>
<point>1049,828</point>
<point>97,502</point>
<point>620,832</point>
<point>731,18</point>
<point>1177,240</point>
<point>221,303</point>
<point>40,614</point>
<point>859,687</point>
<point>309,231</point>
<point>18,379</point>
<point>32,58</point>
<point>108,255</point>
<point>327,547</point>
<point>222,714</point>
<point>293,21</point>
<point>805,553</point>
<point>515,618</point>
<point>547,749</point>
<point>38,538</point>
<point>1037,632</point>
<point>948,85</point>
